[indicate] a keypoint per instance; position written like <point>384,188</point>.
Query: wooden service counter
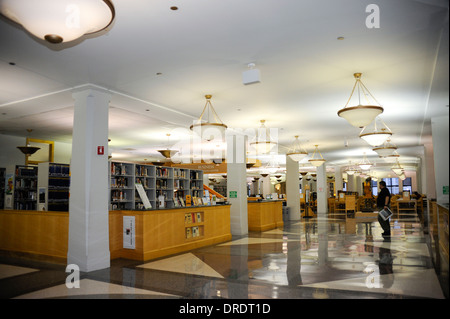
<point>265,215</point>
<point>157,233</point>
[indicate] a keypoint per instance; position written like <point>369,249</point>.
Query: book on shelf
<point>176,202</point>
<point>195,231</point>
<point>161,201</point>
<point>199,217</point>
<point>181,201</point>
<point>188,232</point>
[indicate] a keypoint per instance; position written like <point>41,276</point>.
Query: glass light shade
<point>376,138</point>
<point>209,131</point>
<point>297,156</point>
<point>350,172</point>
<point>398,171</point>
<point>263,147</point>
<point>361,115</point>
<point>365,167</point>
<point>385,151</point>
<point>61,20</point>
<point>317,162</point>
<point>28,150</point>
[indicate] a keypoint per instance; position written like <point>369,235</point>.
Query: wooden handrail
<point>212,191</point>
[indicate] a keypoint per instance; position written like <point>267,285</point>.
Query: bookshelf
<point>145,175</point>
<point>25,187</point>
<point>165,187</point>
<point>122,186</point>
<point>53,187</point>
<point>194,225</point>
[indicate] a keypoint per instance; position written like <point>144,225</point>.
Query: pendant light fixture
<point>365,164</point>
<point>57,21</point>
<point>350,169</point>
<point>28,149</point>
<point>386,149</point>
<point>375,134</point>
<point>360,115</point>
<point>208,129</point>
<point>397,169</point>
<point>297,152</point>
<point>263,142</point>
<point>168,152</point>
<point>317,161</point>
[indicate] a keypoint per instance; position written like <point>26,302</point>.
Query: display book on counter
<point>143,186</point>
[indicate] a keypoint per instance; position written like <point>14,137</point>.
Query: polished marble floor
<point>308,259</point>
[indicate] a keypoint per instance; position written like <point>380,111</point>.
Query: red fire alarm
<point>100,150</point>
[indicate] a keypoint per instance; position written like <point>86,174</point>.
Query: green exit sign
<point>445,190</point>
<point>233,194</point>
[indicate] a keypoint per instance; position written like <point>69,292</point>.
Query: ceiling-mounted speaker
<point>251,76</point>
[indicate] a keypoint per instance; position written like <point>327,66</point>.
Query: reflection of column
<point>237,183</point>
<point>88,208</point>
<point>294,249</point>
<point>292,189</point>
<point>239,272</point>
<point>322,226</point>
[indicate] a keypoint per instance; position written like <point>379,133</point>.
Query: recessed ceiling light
<point>340,38</point>
<point>12,63</point>
<point>158,73</point>
<point>174,8</point>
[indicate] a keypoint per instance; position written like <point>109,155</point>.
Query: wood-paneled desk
<point>265,215</point>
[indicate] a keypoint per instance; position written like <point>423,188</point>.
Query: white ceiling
<point>203,48</point>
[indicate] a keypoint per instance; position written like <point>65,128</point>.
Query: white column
<point>338,181</point>
<point>237,183</point>
<point>322,202</point>
<point>88,205</point>
<point>292,189</point>
<point>440,132</point>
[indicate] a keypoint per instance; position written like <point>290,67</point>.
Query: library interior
<point>214,150</point>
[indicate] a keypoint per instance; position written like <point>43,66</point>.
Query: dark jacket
<point>381,199</point>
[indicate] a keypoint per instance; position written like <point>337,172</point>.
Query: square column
<point>322,202</point>
<point>237,183</point>
<point>88,204</point>
<point>292,189</point>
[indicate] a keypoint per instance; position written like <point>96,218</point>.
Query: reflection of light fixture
<point>263,143</point>
<point>317,161</point>
<point>209,127</point>
<point>397,169</point>
<point>298,152</point>
<point>360,115</point>
<point>28,149</point>
<point>365,164</point>
<point>374,135</point>
<point>61,20</point>
<point>264,174</point>
<point>386,149</point>
<point>168,152</point>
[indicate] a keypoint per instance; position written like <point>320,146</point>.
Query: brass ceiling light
<point>365,163</point>
<point>28,149</point>
<point>263,142</point>
<point>386,149</point>
<point>57,21</point>
<point>168,152</point>
<point>297,152</point>
<point>375,134</point>
<point>317,161</point>
<point>360,115</point>
<point>208,129</point>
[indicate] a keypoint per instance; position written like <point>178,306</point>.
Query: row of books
<point>190,218</point>
<point>26,183</point>
<point>162,172</point>
<point>180,174</point>
<point>192,232</point>
<point>58,170</point>
<point>121,169</point>
<point>142,170</point>
<point>119,182</point>
<point>118,196</point>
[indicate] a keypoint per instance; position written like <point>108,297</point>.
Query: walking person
<point>383,201</point>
